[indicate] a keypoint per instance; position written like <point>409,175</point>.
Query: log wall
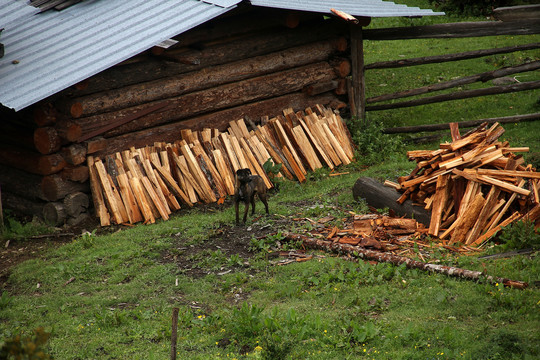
<point>233,67</point>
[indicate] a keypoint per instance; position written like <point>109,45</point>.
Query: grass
<point>111,296</point>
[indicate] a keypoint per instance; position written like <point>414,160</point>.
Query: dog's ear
<point>248,171</point>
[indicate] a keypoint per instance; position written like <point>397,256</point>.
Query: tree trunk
<point>199,80</point>
<point>213,99</point>
<point>379,196</point>
<point>55,188</point>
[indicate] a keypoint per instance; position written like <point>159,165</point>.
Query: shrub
<point>374,146</point>
<point>520,235</point>
<point>27,347</point>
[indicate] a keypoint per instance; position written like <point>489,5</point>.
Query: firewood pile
<point>474,186</point>
<point>148,183</point>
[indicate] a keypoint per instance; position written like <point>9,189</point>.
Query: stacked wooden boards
<point>148,183</point>
<point>473,186</point>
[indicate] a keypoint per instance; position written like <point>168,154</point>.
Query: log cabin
<point>91,78</point>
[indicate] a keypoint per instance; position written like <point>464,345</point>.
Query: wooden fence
<point>360,104</point>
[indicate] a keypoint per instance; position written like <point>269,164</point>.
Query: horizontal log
<point>465,94</point>
<point>21,183</point>
<point>213,99</point>
<point>219,120</point>
<point>199,80</point>
<point>74,154</point>
<point>449,57</point>
<point>54,213</point>
<point>517,13</point>
<point>255,45</point>
<point>462,124</point>
<point>75,173</point>
<point>76,203</point>
<point>454,30</point>
<point>22,205</point>
<point>55,188</point>
<point>485,76</point>
<point>31,162</point>
<point>47,140</point>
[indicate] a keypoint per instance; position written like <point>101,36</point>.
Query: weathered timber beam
<point>455,30</point>
<point>485,76</point>
<point>449,57</point>
<point>31,162</point>
<point>517,13</point>
<point>218,119</point>
<point>462,124</point>
<point>141,93</point>
<point>366,254</point>
<point>494,90</point>
<point>209,100</point>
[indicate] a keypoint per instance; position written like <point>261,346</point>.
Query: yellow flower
<point>257,348</point>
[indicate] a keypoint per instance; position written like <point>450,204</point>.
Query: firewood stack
<point>148,183</point>
<point>474,186</point>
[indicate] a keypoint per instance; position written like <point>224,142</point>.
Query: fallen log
<point>366,254</point>
<point>379,196</point>
<point>55,188</point>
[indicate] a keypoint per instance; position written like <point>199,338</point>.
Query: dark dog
<point>247,186</point>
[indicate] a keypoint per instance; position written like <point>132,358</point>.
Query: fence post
<point>358,80</point>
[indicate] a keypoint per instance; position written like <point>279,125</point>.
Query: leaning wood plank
<point>171,184</point>
<point>123,182</point>
<point>286,142</point>
<point>155,198</point>
<point>171,199</point>
<point>466,221</point>
<point>483,216</point>
<point>222,168</point>
<point>230,152</point>
<point>157,188</point>
<point>141,200</point>
<point>305,148</point>
<point>297,171</point>
<point>137,172</point>
<point>335,144</point>
<point>208,193</point>
<point>191,186</point>
<point>216,177</point>
<point>439,203</point>
<point>258,169</point>
<point>97,194</point>
<point>504,185</point>
<point>278,158</point>
<point>317,145</point>
<point>109,196</point>
<point>316,129</point>
<point>363,253</point>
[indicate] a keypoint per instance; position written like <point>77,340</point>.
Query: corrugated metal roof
<point>46,53</point>
<point>371,8</point>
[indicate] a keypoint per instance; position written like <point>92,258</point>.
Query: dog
<point>247,186</point>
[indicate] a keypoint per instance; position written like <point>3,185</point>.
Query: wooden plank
<point>141,200</point>
<point>108,192</point>
<point>336,145</point>
<point>258,169</point>
<point>483,216</point>
<point>207,192</point>
<point>172,184</point>
<point>296,169</point>
<point>439,203</point>
<point>130,202</point>
<point>305,148</point>
<point>218,181</point>
<point>492,231</point>
<point>286,142</point>
<point>317,145</point>
<point>97,194</point>
<point>465,222</point>
<point>230,152</point>
<point>191,186</point>
<point>223,169</point>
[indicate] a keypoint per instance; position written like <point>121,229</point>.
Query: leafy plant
<point>357,333</point>
<point>520,235</point>
<point>5,300</point>
<point>374,146</point>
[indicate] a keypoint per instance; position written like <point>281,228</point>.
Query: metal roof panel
<point>371,8</point>
<point>46,53</point>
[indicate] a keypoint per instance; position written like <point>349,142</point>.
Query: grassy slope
<point>120,302</point>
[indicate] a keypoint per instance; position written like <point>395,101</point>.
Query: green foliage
<point>271,169</point>
<point>356,333</point>
<point>374,146</point>
<point>14,229</point>
<point>26,347</point>
<point>5,299</point>
<point>520,235</point>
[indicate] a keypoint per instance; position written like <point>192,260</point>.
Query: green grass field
<point>110,296</point>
